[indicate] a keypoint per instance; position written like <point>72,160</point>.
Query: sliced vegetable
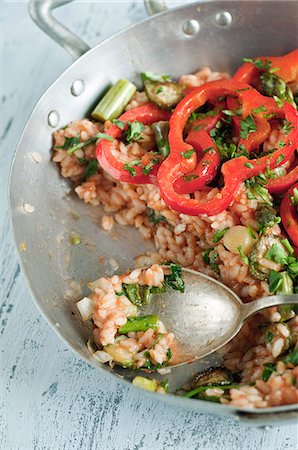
<point>113,103</point>
<point>266,216</point>
<point>239,236</point>
<point>161,134</point>
<point>119,354</point>
<point>273,85</point>
<point>138,295</point>
<point>145,383</point>
<point>86,308</point>
<point>139,323</point>
<point>211,376</point>
<point>235,170</point>
<point>133,171</point>
<point>258,252</point>
<point>289,215</point>
<point>200,389</point>
<point>165,94</point>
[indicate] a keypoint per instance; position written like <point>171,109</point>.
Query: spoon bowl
<point>206,316</point>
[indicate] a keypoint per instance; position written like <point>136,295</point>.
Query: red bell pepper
<point>287,66</point>
<point>235,170</point>
<point>146,114</point>
<point>203,144</point>
<point>281,184</point>
<point>289,215</point>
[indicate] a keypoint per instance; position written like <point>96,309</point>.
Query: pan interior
<point>45,211</point>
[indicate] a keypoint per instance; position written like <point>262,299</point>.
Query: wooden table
<point>52,399</point>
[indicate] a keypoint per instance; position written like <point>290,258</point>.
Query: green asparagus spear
<point>273,85</point>
<point>139,323</point>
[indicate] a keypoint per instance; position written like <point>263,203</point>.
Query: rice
<point>182,239</point>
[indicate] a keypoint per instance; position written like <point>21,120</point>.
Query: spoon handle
<point>248,309</point>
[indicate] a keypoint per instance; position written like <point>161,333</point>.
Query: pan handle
<point>41,13</point>
<point>155,6</point>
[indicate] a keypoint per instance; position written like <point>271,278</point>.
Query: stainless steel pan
<point>45,212</point>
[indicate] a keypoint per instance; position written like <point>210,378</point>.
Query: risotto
<point>206,168</point>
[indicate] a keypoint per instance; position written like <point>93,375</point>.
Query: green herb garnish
<point>269,368</point>
<point>243,255</point>
<point>247,126</point>
<point>91,169</point>
<point>219,234</point>
<point>187,154</point>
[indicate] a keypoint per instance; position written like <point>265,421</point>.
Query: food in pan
<point>206,167</point>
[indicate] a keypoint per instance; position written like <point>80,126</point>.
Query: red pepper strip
<point>287,65</point>
<point>146,114</point>
<point>255,139</point>
<point>289,215</point>
<point>281,184</point>
<point>203,144</point>
<point>234,171</point>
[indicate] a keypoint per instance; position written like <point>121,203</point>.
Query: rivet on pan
<point>77,87</point>
<point>223,19</point>
<point>191,27</point>
<point>29,209</point>
<point>53,118</point>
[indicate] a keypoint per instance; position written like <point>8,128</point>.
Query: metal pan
<point>43,209</point>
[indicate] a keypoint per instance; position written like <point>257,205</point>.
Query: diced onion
<point>236,236</point>
<point>85,307</point>
<point>102,356</point>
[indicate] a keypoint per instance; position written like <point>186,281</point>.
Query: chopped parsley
<point>249,165</point>
<point>287,127</point>
<point>119,124</point>
<point>247,126</point>
<point>292,358</point>
<point>262,65</point>
<point>280,158</point>
<point>206,162</point>
<point>174,279</point>
<point>133,133</point>
<point>219,234</point>
<point>269,336</point>
<point>129,167</point>
<point>269,368</point>
<point>275,281</point>
<point>232,112</point>
<point>155,217</point>
<point>209,150</point>
<point>243,255</point>
<point>159,90</point>
<point>277,254</point>
<point>147,169</point>
<point>73,144</point>
<point>259,110</point>
<point>256,189</point>
<point>187,154</point>
<point>91,169</point>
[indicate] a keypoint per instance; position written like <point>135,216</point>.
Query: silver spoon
<point>206,316</point>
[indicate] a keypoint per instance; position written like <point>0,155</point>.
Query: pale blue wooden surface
<point>49,398</point>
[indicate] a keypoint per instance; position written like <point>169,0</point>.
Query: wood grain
<point>51,399</point>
